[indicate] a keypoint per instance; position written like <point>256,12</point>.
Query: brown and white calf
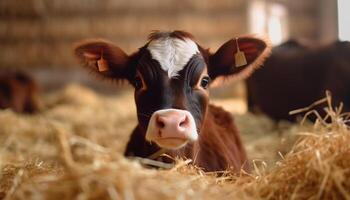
<point>171,75</point>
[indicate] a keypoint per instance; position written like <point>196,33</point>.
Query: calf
<point>295,76</point>
<point>171,75</point>
<point>18,91</point>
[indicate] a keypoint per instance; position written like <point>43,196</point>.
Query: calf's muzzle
<point>171,128</point>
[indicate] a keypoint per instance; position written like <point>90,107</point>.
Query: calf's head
<point>171,75</point>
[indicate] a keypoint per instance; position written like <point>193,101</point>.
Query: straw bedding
<point>73,150</point>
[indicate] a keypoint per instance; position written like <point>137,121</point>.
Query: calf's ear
<point>103,58</point>
<point>238,58</point>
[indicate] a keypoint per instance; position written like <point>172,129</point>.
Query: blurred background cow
<point>295,76</point>
<point>19,92</point>
<point>38,34</point>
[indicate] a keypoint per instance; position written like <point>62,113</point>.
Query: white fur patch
<point>172,53</point>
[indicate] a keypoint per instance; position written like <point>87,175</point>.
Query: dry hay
<point>73,150</point>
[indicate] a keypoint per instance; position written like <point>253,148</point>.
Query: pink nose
<point>172,125</point>
<point>171,128</point>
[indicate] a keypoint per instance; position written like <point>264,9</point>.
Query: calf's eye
<point>205,82</point>
<point>138,83</point>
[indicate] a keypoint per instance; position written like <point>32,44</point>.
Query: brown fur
<point>220,146</point>
<point>295,76</point>
<point>18,91</point>
<point>154,35</point>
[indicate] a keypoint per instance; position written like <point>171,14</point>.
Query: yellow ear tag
<point>102,64</point>
<point>240,58</point>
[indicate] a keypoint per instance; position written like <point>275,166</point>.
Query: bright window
<point>269,18</point>
<point>344,19</point>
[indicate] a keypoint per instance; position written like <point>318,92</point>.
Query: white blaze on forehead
<point>172,53</point>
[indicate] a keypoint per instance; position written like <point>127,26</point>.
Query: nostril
<point>160,122</point>
<point>184,122</point>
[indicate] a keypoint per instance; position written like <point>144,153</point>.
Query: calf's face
<point>171,75</point>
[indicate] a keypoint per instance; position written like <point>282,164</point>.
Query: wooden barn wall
<point>313,20</point>
<point>40,33</point>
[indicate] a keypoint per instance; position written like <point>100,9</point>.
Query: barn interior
<point>72,148</point>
